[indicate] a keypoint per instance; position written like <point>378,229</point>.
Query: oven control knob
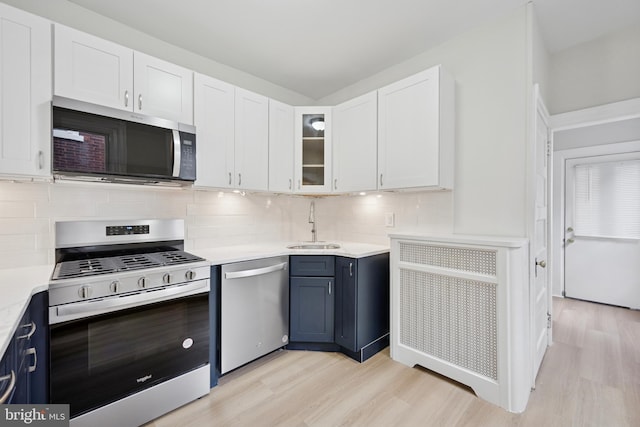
<point>85,292</point>
<point>190,275</point>
<point>142,282</point>
<point>114,287</point>
<point>166,278</point>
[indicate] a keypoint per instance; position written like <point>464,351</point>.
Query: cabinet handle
<point>40,160</point>
<point>126,98</point>
<point>290,183</point>
<point>140,102</point>
<point>239,179</point>
<point>32,351</point>
<point>229,178</point>
<point>329,287</point>
<point>350,269</point>
<point>381,183</point>
<point>12,384</point>
<point>32,331</point>
<point>335,184</point>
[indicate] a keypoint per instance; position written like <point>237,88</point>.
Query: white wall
<point>72,15</point>
<point>599,72</point>
<point>489,65</point>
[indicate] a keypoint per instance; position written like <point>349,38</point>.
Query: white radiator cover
<point>460,307</point>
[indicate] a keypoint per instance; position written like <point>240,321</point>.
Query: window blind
<point>607,199</point>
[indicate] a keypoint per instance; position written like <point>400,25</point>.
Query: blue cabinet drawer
<point>312,265</point>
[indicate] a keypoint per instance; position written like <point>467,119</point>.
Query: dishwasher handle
<point>255,272</point>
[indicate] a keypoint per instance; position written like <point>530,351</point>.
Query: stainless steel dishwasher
<point>254,306</point>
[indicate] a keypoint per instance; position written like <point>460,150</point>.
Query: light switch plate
<point>389,219</point>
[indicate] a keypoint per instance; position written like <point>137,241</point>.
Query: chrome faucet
<point>312,220</point>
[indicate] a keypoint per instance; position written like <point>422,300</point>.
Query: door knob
<point>570,241</point>
<point>570,230</point>
<point>541,263</point>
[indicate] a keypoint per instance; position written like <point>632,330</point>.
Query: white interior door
<point>602,229</point>
<point>539,294</point>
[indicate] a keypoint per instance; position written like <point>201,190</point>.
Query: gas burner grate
<point>175,257</point>
<point>84,267</point>
<point>97,266</point>
<point>136,262</point>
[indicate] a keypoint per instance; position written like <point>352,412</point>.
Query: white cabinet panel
<point>91,69</point>
<point>251,140</point>
<point>94,70</point>
<point>281,146</point>
<point>25,93</point>
<point>312,150</point>
<point>214,120</point>
<point>162,89</point>
<point>355,144</point>
<point>416,132</point>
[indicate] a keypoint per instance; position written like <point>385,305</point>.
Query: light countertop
<point>17,285</point>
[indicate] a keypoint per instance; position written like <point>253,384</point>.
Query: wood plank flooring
<point>589,377</point>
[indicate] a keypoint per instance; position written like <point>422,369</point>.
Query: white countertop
<point>228,254</point>
<point>17,285</point>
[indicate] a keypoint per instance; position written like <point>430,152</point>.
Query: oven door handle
<point>91,308</point>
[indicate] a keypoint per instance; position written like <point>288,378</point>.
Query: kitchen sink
<point>314,246</point>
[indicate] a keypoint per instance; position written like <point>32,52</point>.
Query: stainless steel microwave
<point>92,142</point>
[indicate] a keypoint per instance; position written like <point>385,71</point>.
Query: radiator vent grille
<point>451,318</point>
<point>468,260</point>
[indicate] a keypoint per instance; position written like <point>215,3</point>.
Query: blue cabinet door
<point>39,359</point>
<point>346,303</point>
<point>312,309</point>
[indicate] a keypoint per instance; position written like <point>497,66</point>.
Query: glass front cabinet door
<point>313,150</point>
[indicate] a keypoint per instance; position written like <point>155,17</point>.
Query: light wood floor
<point>589,377</point>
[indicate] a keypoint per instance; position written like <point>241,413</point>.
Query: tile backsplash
<point>29,210</point>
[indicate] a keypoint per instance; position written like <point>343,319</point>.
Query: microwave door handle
<point>177,153</point>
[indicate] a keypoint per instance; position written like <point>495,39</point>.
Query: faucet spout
<point>312,220</point>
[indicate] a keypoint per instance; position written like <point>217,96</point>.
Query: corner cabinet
<point>354,144</point>
<point>312,150</point>
<point>362,305</point>
<point>94,70</point>
<point>416,132</point>
<point>25,85</point>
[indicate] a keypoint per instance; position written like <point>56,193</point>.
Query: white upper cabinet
<point>281,147</point>
<point>416,132</point>
<point>162,89</point>
<point>354,144</point>
<point>313,150</point>
<point>91,69</point>
<point>251,141</point>
<point>25,88</point>
<point>214,113</point>
<point>94,70</point>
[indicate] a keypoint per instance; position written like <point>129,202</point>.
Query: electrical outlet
<point>389,219</point>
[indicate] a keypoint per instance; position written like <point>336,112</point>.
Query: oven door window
<point>101,359</point>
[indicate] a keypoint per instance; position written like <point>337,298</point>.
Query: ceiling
<point>318,47</point>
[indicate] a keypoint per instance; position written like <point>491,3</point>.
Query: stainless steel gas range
<point>129,321</point>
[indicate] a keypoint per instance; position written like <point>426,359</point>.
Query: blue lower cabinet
<point>311,312</point>
<point>24,371</point>
<point>344,307</point>
<point>362,305</point>
<point>214,321</point>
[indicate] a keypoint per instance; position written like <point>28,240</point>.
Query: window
<point>607,199</point>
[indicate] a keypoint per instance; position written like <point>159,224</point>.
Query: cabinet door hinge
<point>548,320</point>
